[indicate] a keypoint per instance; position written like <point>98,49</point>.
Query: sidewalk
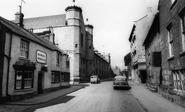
<point>151,101</point>
<point>45,97</point>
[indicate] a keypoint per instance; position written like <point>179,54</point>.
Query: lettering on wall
<point>41,56</point>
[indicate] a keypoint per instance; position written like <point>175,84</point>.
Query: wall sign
<point>41,57</point>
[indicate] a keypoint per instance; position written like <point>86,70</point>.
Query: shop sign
<point>41,57</point>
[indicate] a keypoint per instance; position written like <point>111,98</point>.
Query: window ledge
<point>170,58</point>
<point>182,53</point>
<point>23,90</point>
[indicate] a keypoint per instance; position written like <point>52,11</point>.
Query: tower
<point>89,49</point>
<point>73,25</point>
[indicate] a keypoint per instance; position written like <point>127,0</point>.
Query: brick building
<point>29,65</point>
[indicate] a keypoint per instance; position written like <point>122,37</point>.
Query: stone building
<point>102,65</point>
<point>29,65</point>
<point>136,39</point>
<point>152,44</point>
<point>69,32</point>
<point>172,27</point>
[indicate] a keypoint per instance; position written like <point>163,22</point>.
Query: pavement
<point>152,101</point>
<point>46,97</point>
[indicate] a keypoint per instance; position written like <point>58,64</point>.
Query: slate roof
<point>28,35</point>
<point>45,21</point>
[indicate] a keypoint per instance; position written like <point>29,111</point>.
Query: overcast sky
<point>112,19</point>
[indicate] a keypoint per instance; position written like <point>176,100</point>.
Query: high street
<point>97,98</point>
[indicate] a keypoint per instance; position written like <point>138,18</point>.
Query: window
<point>179,80</point>
<point>24,49</point>
<point>170,41</point>
<point>81,39</point>
<point>24,79</point>
<point>62,77</point>
<point>58,58</point>
<point>67,63</point>
<point>55,76</point>
<point>183,30</point>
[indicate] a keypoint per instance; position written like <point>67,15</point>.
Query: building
<point>172,27</point>
<point>102,65</point>
<point>69,32</point>
<point>136,39</point>
<point>152,44</point>
<point>29,65</point>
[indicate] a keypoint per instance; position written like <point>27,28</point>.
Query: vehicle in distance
<point>120,82</point>
<point>94,79</point>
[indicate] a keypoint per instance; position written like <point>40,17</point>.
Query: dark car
<point>120,82</point>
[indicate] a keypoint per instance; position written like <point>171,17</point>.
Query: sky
<point>112,19</point>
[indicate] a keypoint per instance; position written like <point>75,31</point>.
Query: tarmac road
<point>97,98</point>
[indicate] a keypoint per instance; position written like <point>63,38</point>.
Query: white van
<point>94,79</point>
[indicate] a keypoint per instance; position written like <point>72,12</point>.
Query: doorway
<point>143,76</point>
<point>40,83</point>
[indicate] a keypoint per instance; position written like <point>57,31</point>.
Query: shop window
<point>55,76</point>
<point>24,79</point>
<point>179,80</point>
<point>24,49</point>
<point>170,41</point>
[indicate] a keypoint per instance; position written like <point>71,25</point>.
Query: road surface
<point>97,98</point>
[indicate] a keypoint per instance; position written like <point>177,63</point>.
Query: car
<point>94,79</point>
<point>120,82</point>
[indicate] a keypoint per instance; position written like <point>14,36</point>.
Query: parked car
<point>120,82</point>
<point>94,79</point>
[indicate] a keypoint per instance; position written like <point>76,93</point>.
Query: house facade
<point>136,39</point>
<point>152,44</point>
<point>29,65</point>
<point>172,27</point>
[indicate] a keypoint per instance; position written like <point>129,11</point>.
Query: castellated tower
<point>89,50</point>
<point>74,37</point>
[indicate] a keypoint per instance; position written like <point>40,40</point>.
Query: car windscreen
<point>120,79</point>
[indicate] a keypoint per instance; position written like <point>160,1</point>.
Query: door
<point>40,83</point>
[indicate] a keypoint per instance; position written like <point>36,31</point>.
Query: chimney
<point>19,17</point>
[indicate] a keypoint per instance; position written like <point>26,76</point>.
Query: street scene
<point>92,56</point>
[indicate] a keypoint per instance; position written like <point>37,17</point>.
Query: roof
<point>45,21</point>
<point>27,34</point>
<point>154,28</point>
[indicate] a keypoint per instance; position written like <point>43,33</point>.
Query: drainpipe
<point>8,71</point>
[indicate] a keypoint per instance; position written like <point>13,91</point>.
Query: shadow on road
<point>126,88</point>
<point>56,101</point>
